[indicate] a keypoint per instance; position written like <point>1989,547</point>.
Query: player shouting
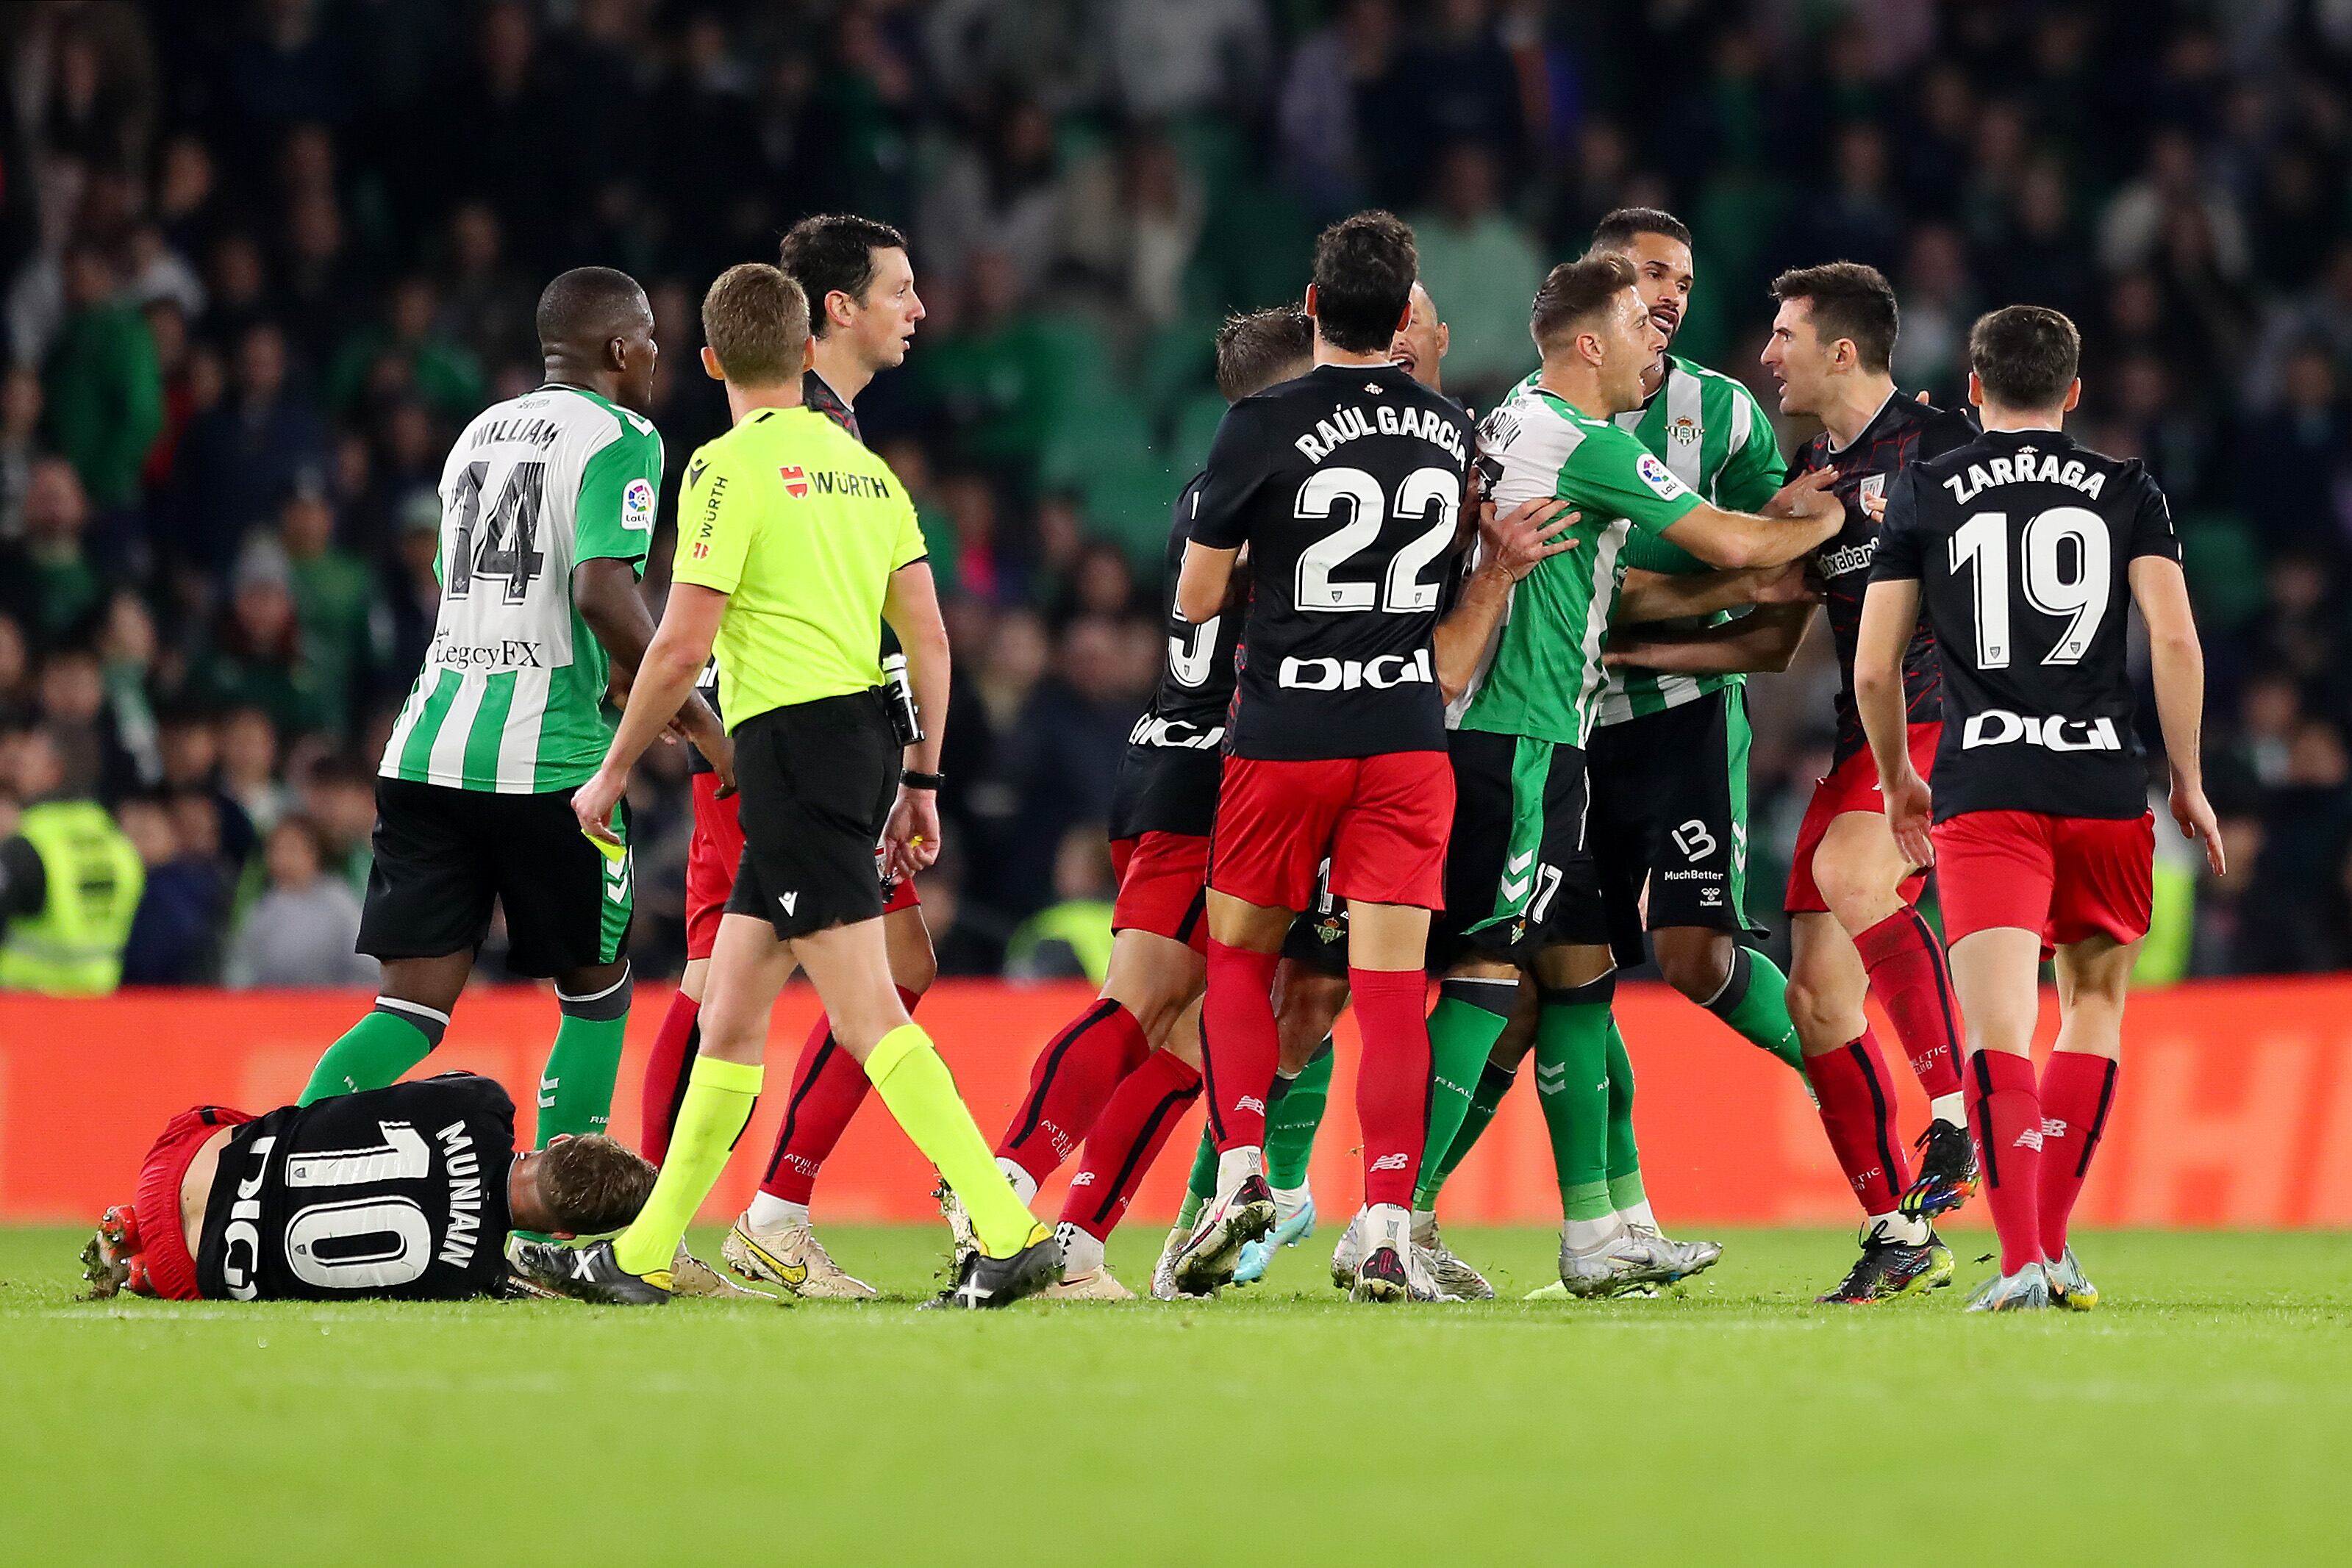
<point>1347,485</point>
<point>1523,887</point>
<point>1854,928</point>
<point>547,505</point>
<point>406,1192</point>
<point>2024,549</point>
<point>862,310</point>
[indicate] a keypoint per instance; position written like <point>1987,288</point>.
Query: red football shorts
<point>1163,886</point>
<point>1383,820</point>
<point>171,1271</point>
<point>714,852</point>
<point>2069,878</point>
<point>1850,786</point>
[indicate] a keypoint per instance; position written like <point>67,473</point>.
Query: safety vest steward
<point>73,946</point>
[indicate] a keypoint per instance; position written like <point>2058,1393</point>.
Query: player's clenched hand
<point>594,801</point>
<point>1807,495</point>
<point>911,842</point>
<point>1515,542</point>
<point>2195,815</point>
<point>1792,583</point>
<point>1910,807</point>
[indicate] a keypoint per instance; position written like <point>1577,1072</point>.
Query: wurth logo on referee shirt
<point>795,480</point>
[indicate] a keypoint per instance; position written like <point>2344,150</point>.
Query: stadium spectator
<point>48,581</point>
<point>300,932</point>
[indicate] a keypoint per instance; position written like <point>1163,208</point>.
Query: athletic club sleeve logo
<point>796,478</point>
<point>1658,477</point>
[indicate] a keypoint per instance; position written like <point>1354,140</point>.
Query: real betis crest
<point>1683,431</point>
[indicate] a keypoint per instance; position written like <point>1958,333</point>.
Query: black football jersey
<point>1903,433</point>
<point>815,393</point>
<point>398,1192</point>
<point>2021,543</point>
<point>1347,485</point>
<point>1167,780</point>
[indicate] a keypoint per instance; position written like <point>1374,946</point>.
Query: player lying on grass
<point>406,1192</point>
<point>2025,551</point>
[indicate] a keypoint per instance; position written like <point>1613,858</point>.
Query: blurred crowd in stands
<point>262,258</point>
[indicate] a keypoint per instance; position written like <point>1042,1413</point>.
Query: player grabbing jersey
<point>2024,550</point>
<point>406,1192</point>
<point>1347,485</point>
<point>863,306</point>
<point>1522,888</point>
<point>547,506</point>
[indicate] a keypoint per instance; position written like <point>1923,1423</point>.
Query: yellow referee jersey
<point>801,527</point>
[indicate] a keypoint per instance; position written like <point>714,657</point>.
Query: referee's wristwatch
<point>910,780</point>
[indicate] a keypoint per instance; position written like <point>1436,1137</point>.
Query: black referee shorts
<point>816,781</point>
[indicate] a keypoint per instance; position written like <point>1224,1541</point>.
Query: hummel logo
<point>791,901</point>
<point>2029,1138</point>
<point>1521,862</point>
<point>547,1087</point>
<point>1551,1079</point>
<point>1390,1162</point>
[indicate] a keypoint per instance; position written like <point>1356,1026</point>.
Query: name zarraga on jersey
<point>2027,467</point>
<point>1347,423</point>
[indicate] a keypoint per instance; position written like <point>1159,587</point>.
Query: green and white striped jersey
<point>512,697</point>
<point>1709,429</point>
<point>1542,673</point>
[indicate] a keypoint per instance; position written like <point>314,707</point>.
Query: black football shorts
<point>1670,809</point>
<point>817,780</point>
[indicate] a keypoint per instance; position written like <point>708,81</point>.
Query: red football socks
<point>1240,1046</point>
<point>667,1068</point>
<point>1392,1079</point>
<point>1857,1102</point>
<point>1908,977</point>
<point>1128,1136</point>
<point>828,1086</point>
<point>2005,1119</point>
<point>2078,1090</point>
<point>1069,1083</point>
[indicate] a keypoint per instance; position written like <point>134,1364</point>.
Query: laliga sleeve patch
<point>1659,478</point>
<point>637,506</point>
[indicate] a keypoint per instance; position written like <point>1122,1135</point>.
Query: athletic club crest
<point>1874,489</point>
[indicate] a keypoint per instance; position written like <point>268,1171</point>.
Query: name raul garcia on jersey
<point>1349,422</point>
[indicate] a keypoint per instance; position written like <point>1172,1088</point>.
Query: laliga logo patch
<point>637,506</point>
<point>795,480</point>
<point>1658,477</point>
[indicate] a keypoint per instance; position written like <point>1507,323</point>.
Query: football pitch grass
<point>2202,1413</point>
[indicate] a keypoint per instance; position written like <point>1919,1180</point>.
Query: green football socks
<point>1755,1001</point>
<point>1292,1118</point>
<point>718,1104</point>
<point>1624,1154</point>
<point>375,1051</point>
<point>1494,1083</point>
<point>1572,1085</point>
<point>907,1072</point>
<point>575,1088</point>
<point>1469,1018</point>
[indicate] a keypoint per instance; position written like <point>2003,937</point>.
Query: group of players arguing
<point>1440,698</point>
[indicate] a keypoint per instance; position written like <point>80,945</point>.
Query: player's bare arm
<point>1509,546</point>
<point>1646,596</point>
<point>2177,666</point>
<point>911,608</point>
<point>1890,615</point>
<point>1741,539</point>
<point>1201,585</point>
<point>1764,641</point>
<point>665,678</point>
<point>605,591</point>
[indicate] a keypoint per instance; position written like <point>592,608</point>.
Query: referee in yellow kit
<point>795,542</point>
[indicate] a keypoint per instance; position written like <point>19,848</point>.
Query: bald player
<point>548,504</point>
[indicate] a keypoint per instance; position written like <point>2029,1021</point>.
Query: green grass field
<point>2202,1413</point>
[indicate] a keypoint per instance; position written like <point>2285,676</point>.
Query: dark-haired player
<point>1347,485</point>
<point>547,506</point>
<point>1854,928</point>
<point>2025,551</point>
<point>1522,886</point>
<point>406,1192</point>
<point>863,309</point>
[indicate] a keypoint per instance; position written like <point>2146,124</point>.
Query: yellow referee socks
<point>718,1103</point>
<point>915,1083</point>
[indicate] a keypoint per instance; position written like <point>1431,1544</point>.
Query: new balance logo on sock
<point>1396,1162</point>
<point>2027,1138</point>
<point>791,901</point>
<point>1083,1178</point>
<point>1250,1102</point>
<point>2053,1127</point>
